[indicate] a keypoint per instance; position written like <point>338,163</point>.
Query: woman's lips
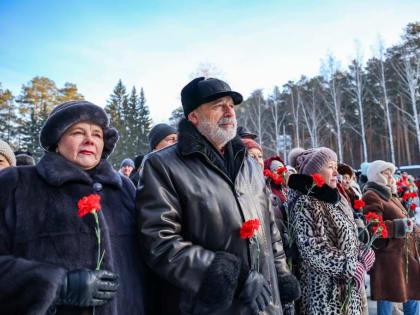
<point>87,152</point>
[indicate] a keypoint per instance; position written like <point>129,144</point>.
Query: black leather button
<point>97,187</point>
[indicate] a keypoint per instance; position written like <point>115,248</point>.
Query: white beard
<point>216,134</point>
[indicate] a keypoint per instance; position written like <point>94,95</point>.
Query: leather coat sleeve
<point>25,284</point>
<point>174,258</point>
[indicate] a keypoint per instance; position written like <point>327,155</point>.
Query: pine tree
<point>69,93</point>
<point>144,123</point>
<point>115,107</point>
<point>36,101</point>
<point>7,115</point>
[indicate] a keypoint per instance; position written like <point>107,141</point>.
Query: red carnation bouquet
<point>379,230</point>
<point>249,231</point>
<point>91,204</point>
<point>279,177</point>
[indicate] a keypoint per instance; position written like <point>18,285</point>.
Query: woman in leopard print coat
<point>326,237</point>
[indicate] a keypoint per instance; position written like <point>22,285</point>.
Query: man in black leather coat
<point>192,199</point>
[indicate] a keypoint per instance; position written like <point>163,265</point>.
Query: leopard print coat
<point>328,245</point>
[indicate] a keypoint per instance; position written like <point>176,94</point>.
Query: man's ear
<point>193,117</point>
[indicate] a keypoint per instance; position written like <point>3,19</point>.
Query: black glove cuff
<point>399,228</point>
<point>289,288</point>
<point>220,282</point>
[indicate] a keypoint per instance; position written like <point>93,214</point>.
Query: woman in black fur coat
<point>48,254</point>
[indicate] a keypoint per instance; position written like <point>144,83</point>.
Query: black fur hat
<point>202,90</point>
<point>69,113</point>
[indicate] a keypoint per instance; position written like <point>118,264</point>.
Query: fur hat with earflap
<point>374,171</point>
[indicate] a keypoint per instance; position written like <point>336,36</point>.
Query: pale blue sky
<point>158,44</point>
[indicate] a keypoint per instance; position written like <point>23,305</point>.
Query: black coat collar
<point>56,170</point>
<point>303,184</point>
<point>190,141</point>
<point>383,191</point>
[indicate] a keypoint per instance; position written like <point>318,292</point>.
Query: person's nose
<point>229,111</point>
<point>89,139</point>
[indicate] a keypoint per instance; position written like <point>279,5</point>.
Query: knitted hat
<point>7,152</point>
<point>344,169</point>
<point>67,114</point>
<point>127,162</point>
<point>138,160</point>
<point>24,159</point>
<point>202,90</point>
<point>158,133</point>
<point>311,161</point>
<point>374,171</point>
<point>249,143</point>
<point>273,163</point>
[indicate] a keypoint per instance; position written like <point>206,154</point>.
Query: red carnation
<point>318,179</point>
<point>267,173</point>
<point>88,204</point>
<point>409,223</point>
<point>399,184</point>
<point>358,204</point>
<point>281,170</point>
<point>406,196</point>
<point>248,228</point>
<point>279,180</point>
<point>400,190</point>
<point>413,206</point>
<point>372,216</point>
<point>380,230</point>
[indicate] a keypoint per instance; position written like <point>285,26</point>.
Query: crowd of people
<point>203,223</point>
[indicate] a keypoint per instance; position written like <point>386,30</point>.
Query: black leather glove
<point>256,292</point>
<point>85,287</point>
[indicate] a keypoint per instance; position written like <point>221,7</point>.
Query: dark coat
<point>190,214</point>
<point>42,237</point>
<point>387,277</point>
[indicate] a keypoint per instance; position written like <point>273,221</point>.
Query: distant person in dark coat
<point>161,136</point>
<point>48,253</point>
<point>24,159</point>
<point>135,175</point>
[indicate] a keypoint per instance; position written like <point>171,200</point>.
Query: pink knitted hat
<point>311,161</point>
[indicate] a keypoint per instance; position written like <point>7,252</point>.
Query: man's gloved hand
<point>85,287</point>
<point>256,292</point>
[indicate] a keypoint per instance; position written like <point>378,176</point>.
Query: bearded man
<point>193,197</point>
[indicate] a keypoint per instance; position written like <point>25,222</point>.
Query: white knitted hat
<point>7,152</point>
<point>374,171</point>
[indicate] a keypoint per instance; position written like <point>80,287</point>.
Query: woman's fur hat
<point>67,114</point>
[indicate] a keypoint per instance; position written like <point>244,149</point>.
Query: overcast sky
<point>158,44</point>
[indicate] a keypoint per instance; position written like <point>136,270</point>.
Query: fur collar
<point>383,191</point>
<point>191,141</point>
<point>56,170</point>
<point>303,184</point>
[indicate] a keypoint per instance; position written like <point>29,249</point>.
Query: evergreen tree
<point>115,107</point>
<point>69,93</point>
<point>36,101</point>
<point>144,123</point>
<point>7,115</point>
